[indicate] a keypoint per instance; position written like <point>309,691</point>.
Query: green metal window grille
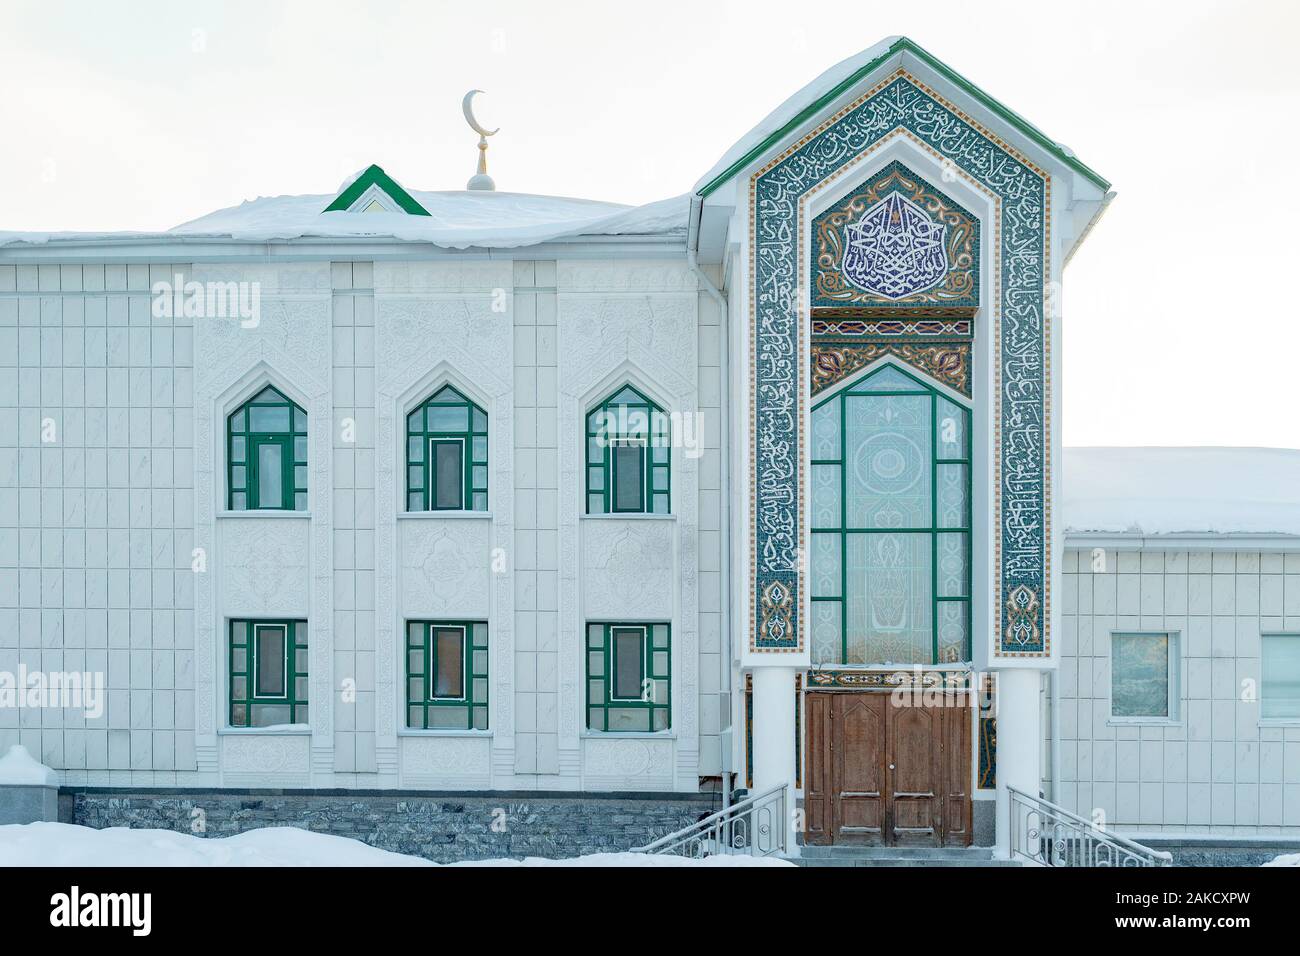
<point>628,685</point>
<point>447,675</point>
<point>266,454</point>
<point>446,454</point>
<point>268,673</point>
<point>628,456</point>
<point>890,554</point>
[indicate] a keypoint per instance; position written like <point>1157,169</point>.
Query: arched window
<point>266,454</point>
<point>891,521</point>
<point>446,454</point>
<point>628,439</point>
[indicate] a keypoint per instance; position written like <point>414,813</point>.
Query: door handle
<point>891,766</point>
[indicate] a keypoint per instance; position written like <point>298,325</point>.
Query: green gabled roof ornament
<point>374,176</point>
<point>904,45</point>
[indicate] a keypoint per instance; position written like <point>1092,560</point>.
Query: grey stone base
<point>445,828</point>
<point>28,804</point>
<point>983,822</point>
<point>1222,852</point>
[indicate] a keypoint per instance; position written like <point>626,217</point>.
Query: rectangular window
<point>270,664</point>
<point>447,456</point>
<point>628,463</point>
<point>1142,676</point>
<point>1279,696</point>
<point>270,463</point>
<point>447,675</point>
<point>628,648</point>
<point>268,673</point>
<point>448,663</point>
<point>628,682</point>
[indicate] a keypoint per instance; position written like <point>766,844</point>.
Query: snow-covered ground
<point>62,844</point>
<point>1288,859</point>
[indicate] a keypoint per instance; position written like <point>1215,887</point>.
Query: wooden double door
<point>883,774</point>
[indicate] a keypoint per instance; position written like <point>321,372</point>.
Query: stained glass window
<point>266,454</point>
<point>1140,666</point>
<point>891,518</point>
<point>628,456</point>
<point>446,454</point>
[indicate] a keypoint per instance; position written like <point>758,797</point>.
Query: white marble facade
<point>117,553</point>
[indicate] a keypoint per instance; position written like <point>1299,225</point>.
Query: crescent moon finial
<point>467,107</point>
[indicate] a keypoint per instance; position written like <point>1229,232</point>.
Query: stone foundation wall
<point>444,828</point>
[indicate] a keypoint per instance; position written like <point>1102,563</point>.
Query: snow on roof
<point>18,768</point>
<point>1206,490</point>
<point>830,81</point>
<point>788,110</point>
<point>456,220</point>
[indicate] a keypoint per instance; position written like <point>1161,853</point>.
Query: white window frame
<point>256,654</point>
<point>431,680</point>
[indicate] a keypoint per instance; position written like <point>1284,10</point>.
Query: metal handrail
<point>1054,836</point>
<point>754,826</point>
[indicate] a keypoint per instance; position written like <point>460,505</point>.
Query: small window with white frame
<point>1279,691</point>
<point>1143,671</point>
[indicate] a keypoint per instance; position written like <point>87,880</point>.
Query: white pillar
<point>1019,744</point>
<point>774,731</point>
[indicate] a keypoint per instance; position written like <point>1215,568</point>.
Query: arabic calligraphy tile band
<point>902,106</point>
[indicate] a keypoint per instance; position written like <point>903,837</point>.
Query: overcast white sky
<point>1181,320</point>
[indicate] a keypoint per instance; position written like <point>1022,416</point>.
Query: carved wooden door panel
<point>913,745</point>
<point>880,774</point>
<point>858,790</point>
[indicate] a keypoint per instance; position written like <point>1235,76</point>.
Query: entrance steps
<point>819,856</point>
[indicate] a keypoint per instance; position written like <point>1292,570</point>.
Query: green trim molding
<point>904,45</point>
<point>374,176</point>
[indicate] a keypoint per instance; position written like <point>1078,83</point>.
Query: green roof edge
<point>374,176</point>
<point>903,44</point>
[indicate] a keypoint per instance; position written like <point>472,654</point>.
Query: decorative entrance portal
<point>885,773</point>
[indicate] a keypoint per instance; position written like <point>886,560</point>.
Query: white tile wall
<point>1215,768</point>
<point>96,505</point>
<point>96,527</point>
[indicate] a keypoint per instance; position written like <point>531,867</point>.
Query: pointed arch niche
<point>441,564</point>
<point>900,118</point>
<point>634,568</point>
<point>289,349</point>
<point>890,510</point>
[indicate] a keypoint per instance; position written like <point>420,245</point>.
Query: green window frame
<point>629,456</point>
<point>267,430</point>
<point>438,477</point>
<point>949,455</point>
<point>611,708</point>
<point>431,704</point>
<point>262,649</point>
